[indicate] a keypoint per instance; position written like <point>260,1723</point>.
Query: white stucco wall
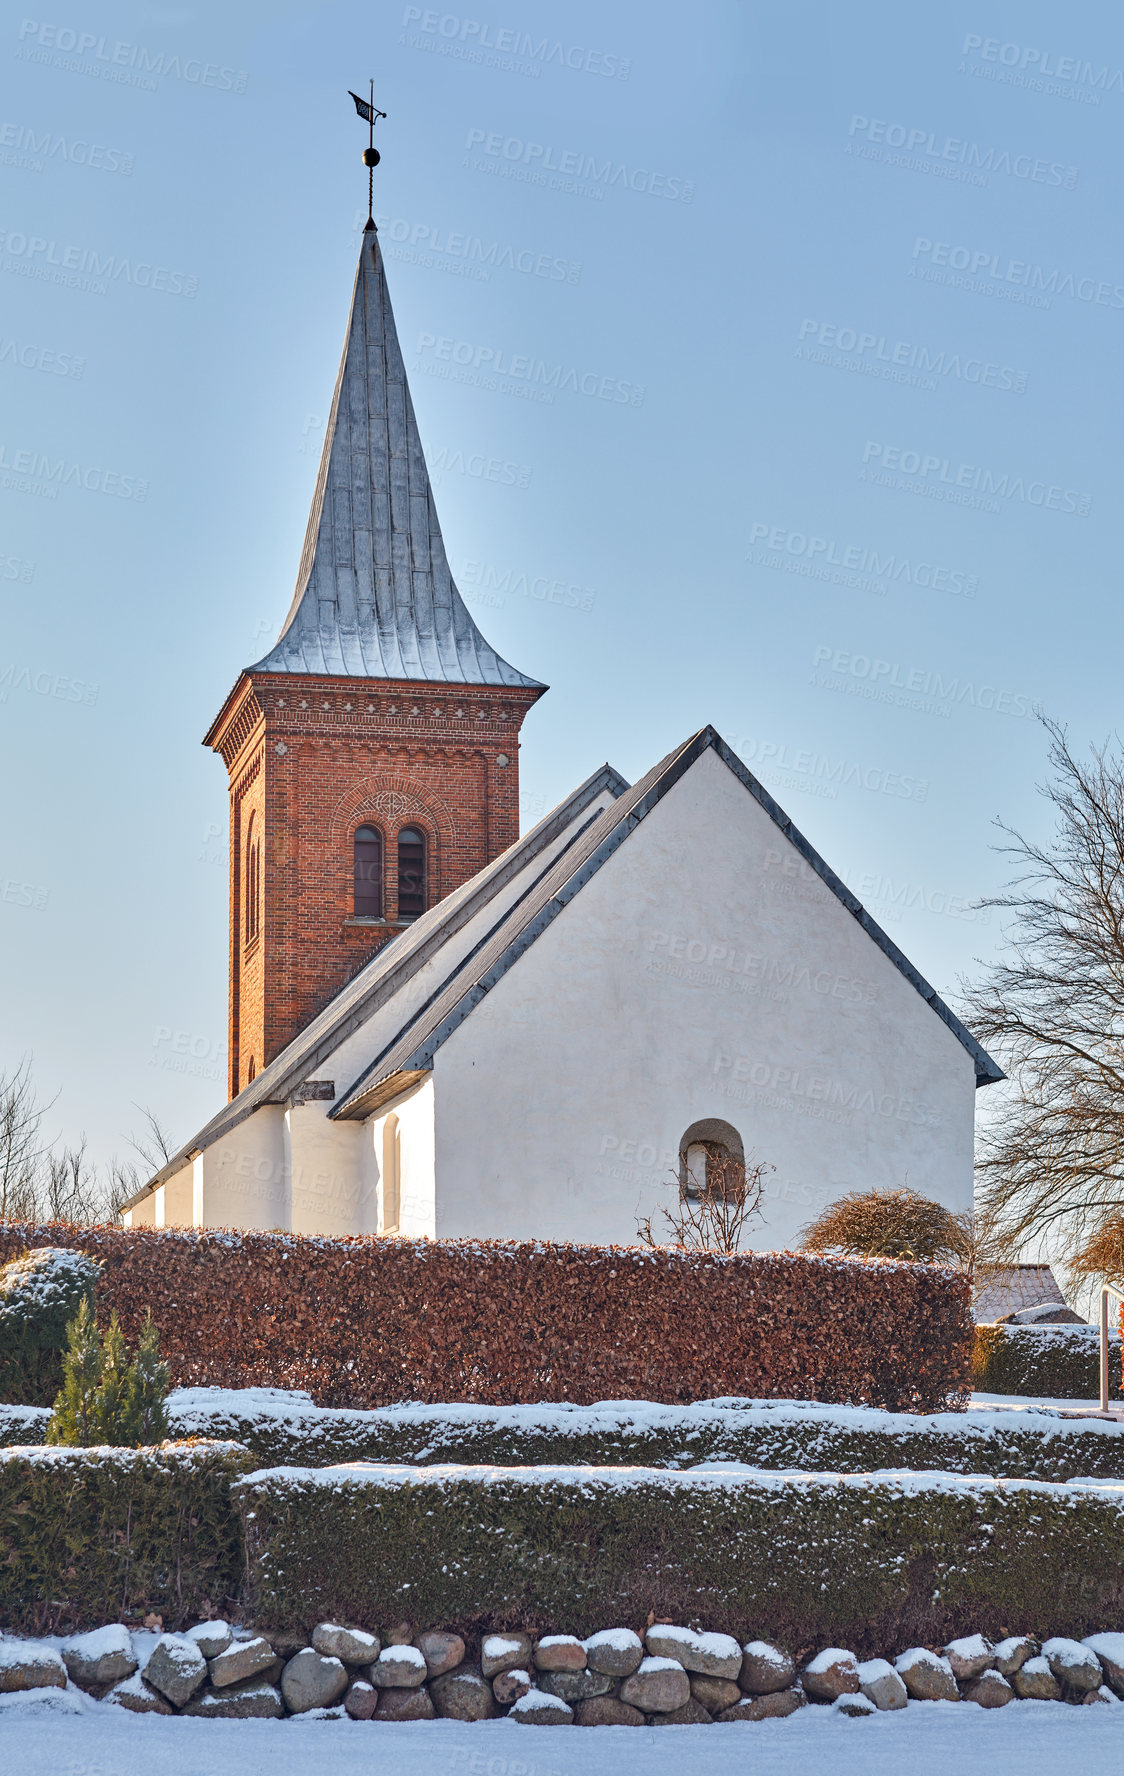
<point>416,1201</point>
<point>243,1180</point>
<point>704,971</point>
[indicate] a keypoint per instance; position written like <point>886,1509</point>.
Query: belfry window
<point>411,873</point>
<point>368,873</point>
<point>253,881</point>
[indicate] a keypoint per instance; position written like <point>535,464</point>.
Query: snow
<point>718,1646</point>
<point>1111,1646</point>
<point>829,1657</point>
<point>498,1646</point>
<point>114,1638</point>
<point>971,1646</point>
<point>554,1640</point>
<point>761,1649</point>
<point>533,1701</point>
<point>916,1656</point>
<point>621,1640</point>
<point>38,1702</point>
<point>870,1670</point>
<point>400,1655</point>
<point>656,1662</point>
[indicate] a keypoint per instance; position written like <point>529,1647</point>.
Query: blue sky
<point>844,286</point>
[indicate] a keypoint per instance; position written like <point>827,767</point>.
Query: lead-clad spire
<point>374,596</point>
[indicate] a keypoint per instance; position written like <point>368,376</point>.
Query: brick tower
<point>373,753</point>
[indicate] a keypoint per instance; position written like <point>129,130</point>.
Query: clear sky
<point>842,290</point>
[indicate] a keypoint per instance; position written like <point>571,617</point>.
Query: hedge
<point>862,1562</point>
<point>368,1321</point>
<point>98,1535</point>
<point>23,1424</point>
<point>1051,1362</point>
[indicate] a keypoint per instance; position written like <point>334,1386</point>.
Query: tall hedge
<point>1051,1362</point>
<point>368,1321</point>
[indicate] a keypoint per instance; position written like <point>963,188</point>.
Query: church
<point>438,1027</point>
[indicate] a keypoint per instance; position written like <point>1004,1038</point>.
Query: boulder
<point>1036,1682</point>
<point>575,1686</point>
<point>242,1660</point>
<point>711,1655</point>
<point>777,1705</point>
<point>103,1656</point>
<point>352,1646</point>
<point>607,1711</point>
<point>1011,1653</point>
<point>441,1652</point>
<point>312,1680</point>
<point>399,1634</point>
<point>1109,1649</point>
<point>252,1700</point>
<point>657,1686</point>
<point>560,1652</point>
<point>969,1656</point>
<point>398,1668</point>
<point>692,1714</point>
<point>927,1676</point>
<point>615,1651</point>
<point>212,1638</point>
<point>834,1672</point>
<point>405,1705</point>
<point>463,1695</point>
<point>1104,1694</point>
<point>510,1685</point>
<point>361,1700</point>
<point>765,1668</point>
<point>537,1709</point>
<point>1075,1665</point>
<point>853,1706</point>
<point>176,1668</point>
<point>990,1689</point>
<point>880,1684</point>
<point>29,1665</point>
<point>715,1693</point>
<point>138,1697</point>
<point>503,1652</point>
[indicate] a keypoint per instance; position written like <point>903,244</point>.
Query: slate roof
<point>374,595</point>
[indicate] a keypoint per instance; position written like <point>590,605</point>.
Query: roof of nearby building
<point>374,595</point>
<point>1017,1286</point>
<point>410,1054</point>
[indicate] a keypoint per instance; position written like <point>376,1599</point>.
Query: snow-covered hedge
<point>860,1561</point>
<point>40,1292</point>
<point>88,1533</point>
<point>1053,1362</point>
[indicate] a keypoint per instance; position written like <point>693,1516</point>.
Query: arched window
<point>411,873</point>
<point>253,880</point>
<point>368,873</point>
<point>711,1159</point>
<point>391,1175</point>
<point>251,1070</point>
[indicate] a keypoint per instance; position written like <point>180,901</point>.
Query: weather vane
<point>371,156</point>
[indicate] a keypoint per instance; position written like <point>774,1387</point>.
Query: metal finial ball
<point>371,157</point>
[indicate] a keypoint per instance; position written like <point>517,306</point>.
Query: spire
<point>374,595</point>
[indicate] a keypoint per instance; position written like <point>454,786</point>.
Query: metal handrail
<point>1106,1291</point>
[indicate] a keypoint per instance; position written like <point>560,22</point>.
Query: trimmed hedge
<point>367,1321</point>
<point>859,1562</point>
<point>1052,1362</point>
<point>23,1424</point>
<point>98,1535</point>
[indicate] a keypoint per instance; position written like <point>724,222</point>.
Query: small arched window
<point>411,873</point>
<point>391,1175</point>
<point>368,873</point>
<point>253,880</point>
<point>711,1159</point>
<point>251,1070</point>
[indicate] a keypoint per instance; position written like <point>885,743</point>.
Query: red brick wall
<point>312,759</point>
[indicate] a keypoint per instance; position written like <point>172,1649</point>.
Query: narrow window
<point>391,1175</point>
<point>411,873</point>
<point>368,873</point>
<point>251,1070</point>
<point>253,881</point>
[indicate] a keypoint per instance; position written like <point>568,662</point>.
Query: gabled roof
<point>410,1055</point>
<point>374,596</point>
<point>388,970</point>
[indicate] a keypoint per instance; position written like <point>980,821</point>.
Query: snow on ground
<point>927,1739</point>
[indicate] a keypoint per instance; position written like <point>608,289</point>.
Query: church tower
<point>373,753</point>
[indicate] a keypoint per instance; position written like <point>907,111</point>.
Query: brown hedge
<point>367,1322</point>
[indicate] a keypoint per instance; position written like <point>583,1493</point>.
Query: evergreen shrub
<point>1050,1362</point>
<point>40,1293</point>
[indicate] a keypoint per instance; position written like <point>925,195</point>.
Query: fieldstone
<point>615,1651</point>
<point>441,1652</point>
<point>1074,1665</point>
<point>715,1693</point>
<point>691,1714</point>
<point>537,1709</point>
<point>398,1668</point>
<point>1036,1682</point>
<point>212,1638</point>
<point>405,1705</point>
<point>854,1706</point>
<point>765,1668</point>
<point>834,1672</point>
<point>776,1705</point>
<point>28,1665</point>
<point>560,1652</point>
<point>607,1711</point>
<point>711,1655</point>
<point>138,1697</point>
<point>176,1668</point>
<point>510,1685</point>
<point>464,1696</point>
<point>1104,1694</point>
<point>575,1686</point>
<point>1109,1649</point>
<point>104,1656</point>
<point>361,1700</point>
<point>401,1634</point>
<point>990,1689</point>
<point>503,1652</point>
<point>1013,1652</point>
<point>880,1684</point>
<point>353,1646</point>
<point>310,1680</point>
<point>927,1676</point>
<point>657,1686</point>
<point>242,1660</point>
<point>252,1700</point>
<point>969,1656</point>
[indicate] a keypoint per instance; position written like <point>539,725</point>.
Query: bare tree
<point>21,1148</point>
<point>711,1213</point>
<point>1052,1153</point>
<point>70,1189</point>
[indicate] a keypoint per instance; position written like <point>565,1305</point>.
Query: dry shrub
<point>887,1224</point>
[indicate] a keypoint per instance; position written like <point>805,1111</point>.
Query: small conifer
<point>111,1399</point>
<point>75,1417</point>
<point>146,1415</point>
